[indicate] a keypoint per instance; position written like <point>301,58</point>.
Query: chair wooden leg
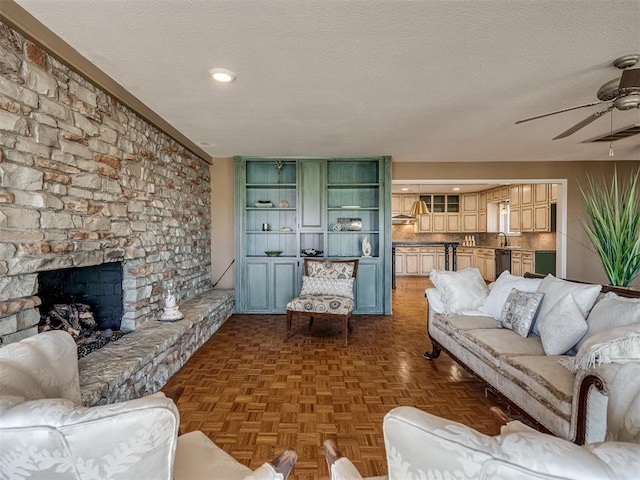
<point>289,320</point>
<point>345,328</point>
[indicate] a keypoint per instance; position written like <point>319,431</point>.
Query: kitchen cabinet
<point>527,262</point>
<point>470,222</point>
<point>290,204</point>
<point>514,219</point>
<point>396,204</point>
<point>482,222</point>
<point>522,261</point>
<point>439,222</point>
<point>541,218</point>
<point>482,201</point>
<point>470,202</point>
<point>424,223</point>
<point>526,194</point>
<point>526,218</point>
<point>453,222</point>
<point>514,196</point>
<point>540,193</point>
<point>469,213</point>
<point>486,263</point>
<point>400,262</point>
<point>553,193</point>
<point>428,260</point>
<point>412,261</point>
<point>407,202</point>
<point>464,258</point>
<point>516,263</point>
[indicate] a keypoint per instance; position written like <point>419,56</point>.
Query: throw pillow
<point>520,311</point>
<point>617,345</point>
<point>611,311</point>
<point>501,288</point>
<point>462,290</point>
<point>342,270</point>
<point>563,327</point>
<point>554,289</point>
<point>327,286</point>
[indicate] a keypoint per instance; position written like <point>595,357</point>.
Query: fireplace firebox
<point>99,286</point>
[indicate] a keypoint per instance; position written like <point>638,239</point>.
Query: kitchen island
<point>446,245</point>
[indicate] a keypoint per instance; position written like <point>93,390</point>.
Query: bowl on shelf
<point>311,252</point>
<point>273,253</point>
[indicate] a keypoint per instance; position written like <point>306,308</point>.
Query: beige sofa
<point>565,394</point>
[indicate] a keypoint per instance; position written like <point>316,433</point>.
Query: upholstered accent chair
<point>327,291</point>
<point>45,432</point>
<point>422,446</point>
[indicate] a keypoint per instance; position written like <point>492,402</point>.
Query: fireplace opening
<point>87,302</point>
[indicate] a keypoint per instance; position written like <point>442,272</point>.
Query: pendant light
<point>419,207</point>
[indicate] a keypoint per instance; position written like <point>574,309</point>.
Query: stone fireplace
<point>85,181</point>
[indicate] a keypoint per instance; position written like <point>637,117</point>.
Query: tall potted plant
<point>613,225</point>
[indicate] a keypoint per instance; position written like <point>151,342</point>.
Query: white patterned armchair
<point>46,433</point>
<point>423,446</point>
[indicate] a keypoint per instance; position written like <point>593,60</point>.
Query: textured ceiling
<point>428,80</point>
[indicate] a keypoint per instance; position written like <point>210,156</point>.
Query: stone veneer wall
<point>83,181</point>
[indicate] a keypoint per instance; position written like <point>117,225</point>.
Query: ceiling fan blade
<point>583,123</point>
<point>560,111</point>
<point>630,79</point>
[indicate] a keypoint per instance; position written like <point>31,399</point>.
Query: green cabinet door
<point>285,283</point>
<point>268,285</point>
<point>312,194</point>
<point>255,286</point>
<point>369,287</point>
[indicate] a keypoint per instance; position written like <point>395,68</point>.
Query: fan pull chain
<point>611,152</point>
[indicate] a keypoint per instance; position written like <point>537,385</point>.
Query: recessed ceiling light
<point>222,75</point>
<point>455,189</point>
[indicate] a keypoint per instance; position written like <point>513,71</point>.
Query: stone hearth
<point>141,362</point>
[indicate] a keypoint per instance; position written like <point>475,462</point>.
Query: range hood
<point>403,219</point>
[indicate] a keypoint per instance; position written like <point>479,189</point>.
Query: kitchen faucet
<point>506,243</point>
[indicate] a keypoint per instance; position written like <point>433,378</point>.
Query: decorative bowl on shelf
<point>311,252</point>
<point>263,204</point>
<point>273,253</point>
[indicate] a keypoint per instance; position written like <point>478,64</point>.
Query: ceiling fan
<point>623,93</point>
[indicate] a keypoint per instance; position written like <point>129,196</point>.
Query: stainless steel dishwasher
<point>503,260</point>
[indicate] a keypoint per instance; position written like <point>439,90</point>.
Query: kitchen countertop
<point>421,244</point>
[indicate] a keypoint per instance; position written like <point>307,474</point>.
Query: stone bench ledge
<point>141,362</point>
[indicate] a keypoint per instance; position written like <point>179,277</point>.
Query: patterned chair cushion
<point>322,304</point>
<point>327,286</point>
<point>330,270</point>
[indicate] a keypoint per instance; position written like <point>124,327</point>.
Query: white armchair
<point>46,433</point>
<point>423,446</point>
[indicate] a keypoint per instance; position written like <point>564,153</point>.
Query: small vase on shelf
<point>366,247</point>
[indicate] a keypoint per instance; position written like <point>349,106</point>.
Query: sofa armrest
<point>590,399</point>
<point>421,445</point>
<point>132,439</point>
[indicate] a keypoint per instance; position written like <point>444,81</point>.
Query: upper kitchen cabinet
<point>444,214</point>
<point>470,210</point>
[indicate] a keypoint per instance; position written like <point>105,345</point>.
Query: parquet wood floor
<point>254,394</point>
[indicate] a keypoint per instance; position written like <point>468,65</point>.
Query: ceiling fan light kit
<point>623,92</point>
